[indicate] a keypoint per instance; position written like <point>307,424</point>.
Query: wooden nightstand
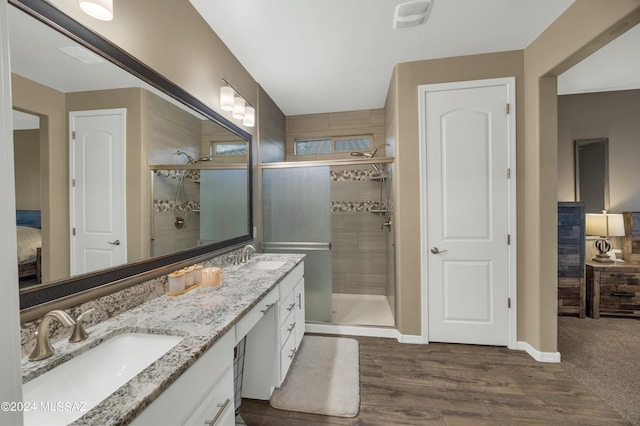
<point>613,289</point>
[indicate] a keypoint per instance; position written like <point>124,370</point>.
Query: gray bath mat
<point>324,378</point>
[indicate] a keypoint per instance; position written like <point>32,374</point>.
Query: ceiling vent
<point>411,13</point>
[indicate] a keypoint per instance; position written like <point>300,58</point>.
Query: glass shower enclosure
<point>297,219</point>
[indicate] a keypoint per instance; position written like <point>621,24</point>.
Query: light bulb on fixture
<point>99,9</point>
<point>227,95</point>
<point>249,119</point>
<point>238,108</point>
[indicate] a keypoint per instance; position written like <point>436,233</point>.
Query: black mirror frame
<point>39,294</point>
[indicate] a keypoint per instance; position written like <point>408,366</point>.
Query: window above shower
<point>334,144</point>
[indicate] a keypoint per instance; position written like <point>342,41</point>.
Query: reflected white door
<point>467,133</point>
<point>97,175</point>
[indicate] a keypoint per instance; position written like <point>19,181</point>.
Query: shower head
<point>201,159</point>
<point>189,158</point>
<point>370,154</point>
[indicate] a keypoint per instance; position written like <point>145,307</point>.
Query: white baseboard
<point>348,330</point>
<point>536,354</point>
<point>412,339</point>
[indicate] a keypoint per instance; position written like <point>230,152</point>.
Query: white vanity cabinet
<point>202,395</point>
<point>291,318</point>
<point>272,343</point>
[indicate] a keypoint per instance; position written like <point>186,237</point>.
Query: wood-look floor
<point>449,384</point>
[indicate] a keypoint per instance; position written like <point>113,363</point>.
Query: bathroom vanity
<point>192,383</point>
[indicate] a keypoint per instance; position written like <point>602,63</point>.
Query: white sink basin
<point>89,378</point>
<point>267,265</point>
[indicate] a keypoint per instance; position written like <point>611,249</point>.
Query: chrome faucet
<point>246,254</point>
<point>43,348</point>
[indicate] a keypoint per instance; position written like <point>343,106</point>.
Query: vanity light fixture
<point>231,100</point>
<point>226,98</point>
<point>99,9</point>
<point>249,119</point>
<point>604,225</point>
<point>238,108</point>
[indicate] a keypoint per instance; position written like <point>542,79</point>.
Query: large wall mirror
<point>118,171</point>
<point>592,173</point>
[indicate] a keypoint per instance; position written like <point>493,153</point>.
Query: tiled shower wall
<point>359,253</point>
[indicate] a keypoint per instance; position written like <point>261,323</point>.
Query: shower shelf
<point>378,211</point>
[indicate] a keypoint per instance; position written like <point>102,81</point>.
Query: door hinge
<point>509,302</point>
<point>509,173</point>
<point>73,232</point>
<point>508,109</point>
<point>73,182</point>
<point>508,239</point>
<point>73,135</point>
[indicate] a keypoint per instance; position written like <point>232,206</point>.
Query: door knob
<point>115,243</point>
<point>436,250</point>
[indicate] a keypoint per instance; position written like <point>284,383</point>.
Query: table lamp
<point>604,225</point>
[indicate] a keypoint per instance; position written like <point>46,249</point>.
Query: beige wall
<point>402,118</point>
<point>26,153</point>
<point>173,39</point>
<point>272,131</point>
<point>586,26</point>
<point>612,115</point>
<point>49,105</point>
<point>350,123</point>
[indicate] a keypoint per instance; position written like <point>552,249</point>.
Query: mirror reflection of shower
<point>180,202</point>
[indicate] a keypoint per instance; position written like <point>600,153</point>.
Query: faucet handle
<point>79,333</point>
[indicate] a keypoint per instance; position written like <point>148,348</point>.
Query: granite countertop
<point>201,315</point>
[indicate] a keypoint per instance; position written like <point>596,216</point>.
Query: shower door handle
<point>114,243</point>
<point>436,250</point>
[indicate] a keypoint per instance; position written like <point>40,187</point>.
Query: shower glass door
<point>296,214</point>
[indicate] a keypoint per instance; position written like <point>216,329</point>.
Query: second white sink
<point>91,377</point>
<point>266,264</point>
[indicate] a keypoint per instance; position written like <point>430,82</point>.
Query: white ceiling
<point>316,56</point>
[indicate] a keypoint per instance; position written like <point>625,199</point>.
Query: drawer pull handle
<point>623,294</point>
<point>266,308</point>
<point>291,327</point>
<point>291,306</point>
<point>223,407</point>
<point>292,354</point>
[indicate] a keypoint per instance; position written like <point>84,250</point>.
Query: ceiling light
<point>249,119</point>
<point>226,98</point>
<point>99,9</point>
<point>411,13</point>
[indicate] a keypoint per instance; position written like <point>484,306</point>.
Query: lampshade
<point>605,225</point>
<point>238,108</point>
<point>227,96</point>
<point>249,119</point>
<point>99,9</point>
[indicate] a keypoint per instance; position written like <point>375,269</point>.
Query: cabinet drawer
<point>287,353</point>
<point>288,328</point>
<point>614,279</point>
<point>218,405</point>
<point>287,306</point>
<point>252,317</point>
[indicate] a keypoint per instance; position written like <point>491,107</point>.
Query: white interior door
<point>468,211</point>
<point>97,173</point>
